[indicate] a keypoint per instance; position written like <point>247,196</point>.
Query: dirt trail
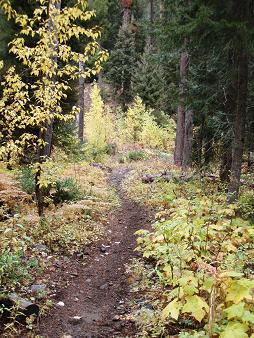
<point>100,293</point>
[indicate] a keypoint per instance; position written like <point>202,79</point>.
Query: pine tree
<point>149,81</point>
<point>121,67</point>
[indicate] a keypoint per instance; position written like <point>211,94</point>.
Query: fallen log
<point>150,178</point>
<point>165,177</point>
<point>101,166</point>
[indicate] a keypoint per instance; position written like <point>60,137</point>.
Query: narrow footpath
<point>100,294</point>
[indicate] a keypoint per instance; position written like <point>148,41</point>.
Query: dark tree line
<point>192,60</point>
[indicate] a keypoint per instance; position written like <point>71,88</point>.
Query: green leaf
<point>235,329</point>
<point>231,274</point>
<point>248,317</point>
<point>189,284</point>
<point>172,310</point>
<point>208,284</point>
<point>239,290</point>
<point>235,310</point>
<point>196,306</point>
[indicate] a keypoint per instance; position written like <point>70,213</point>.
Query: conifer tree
<point>122,65</point>
<point>149,81</point>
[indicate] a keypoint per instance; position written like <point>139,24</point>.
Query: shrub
<point>136,155</point>
<point>98,125</point>
<point>133,121</point>
<point>12,269</point>
<point>26,180</point>
<point>246,205</point>
<point>66,189</point>
<point>139,126</point>
<point>202,255</point>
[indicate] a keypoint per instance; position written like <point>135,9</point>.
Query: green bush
<point>26,180</point>
<point>12,269</point>
<point>246,205</point>
<point>136,155</point>
<point>66,189</point>
<point>201,252</point>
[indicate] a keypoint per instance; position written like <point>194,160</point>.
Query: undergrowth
<point>197,272</point>
<point>28,243</point>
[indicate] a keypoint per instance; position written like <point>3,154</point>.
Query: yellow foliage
<point>26,107</point>
<point>133,121</point>
<point>99,126</point>
<point>139,126</point>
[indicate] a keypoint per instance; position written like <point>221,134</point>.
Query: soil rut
<point>100,293</point>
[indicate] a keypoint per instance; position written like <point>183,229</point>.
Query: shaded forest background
<point>187,60</point>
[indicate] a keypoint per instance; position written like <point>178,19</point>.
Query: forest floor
<point>96,301</point>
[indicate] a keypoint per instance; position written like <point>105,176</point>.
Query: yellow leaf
<point>172,310</point>
<point>196,306</point>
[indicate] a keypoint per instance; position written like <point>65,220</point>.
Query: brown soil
<point>100,292</point>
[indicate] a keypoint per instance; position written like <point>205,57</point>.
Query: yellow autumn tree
<point>99,129</point>
<point>133,121</point>
<point>28,110</point>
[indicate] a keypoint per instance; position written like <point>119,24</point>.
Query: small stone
<point>37,288</point>
<point>103,249</point>
<point>104,286</point>
<point>75,320</point>
<point>88,280</point>
<point>41,247</point>
<point>116,318</point>
<point>60,304</point>
<point>149,307</point>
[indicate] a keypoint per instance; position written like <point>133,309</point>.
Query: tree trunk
<point>180,127</point>
<point>188,139</point>
<point>80,117</point>
<point>226,163</point>
<point>52,30</point>
<point>161,9</point>
<point>46,135</point>
<point>239,125</point>
<point>250,137</point>
<point>150,11</point>
<point>208,151</point>
<point>39,192</point>
<point>126,18</point>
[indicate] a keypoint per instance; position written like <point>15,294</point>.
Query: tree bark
<point>188,139</point>
<point>46,135</point>
<point>226,163</point>
<point>180,127</point>
<point>126,18</point>
<point>239,125</point>
<point>80,117</point>
<point>162,9</point>
<point>52,30</point>
<point>150,11</point>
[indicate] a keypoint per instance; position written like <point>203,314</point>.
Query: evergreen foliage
<point>121,66</point>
